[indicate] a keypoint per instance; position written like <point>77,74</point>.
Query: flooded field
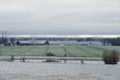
<point>58,71</point>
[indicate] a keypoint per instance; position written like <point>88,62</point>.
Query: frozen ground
<point>58,71</point>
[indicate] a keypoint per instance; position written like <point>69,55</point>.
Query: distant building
<point>35,42</point>
<point>46,42</point>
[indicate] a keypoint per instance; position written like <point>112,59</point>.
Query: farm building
<point>32,42</point>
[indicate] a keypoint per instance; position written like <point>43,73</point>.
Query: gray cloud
<point>60,16</point>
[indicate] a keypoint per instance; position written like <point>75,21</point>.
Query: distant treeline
<point>112,41</point>
<point>7,41</point>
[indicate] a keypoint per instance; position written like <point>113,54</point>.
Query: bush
<point>50,54</point>
<point>110,57</point>
<point>12,58</point>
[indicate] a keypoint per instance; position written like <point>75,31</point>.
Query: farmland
<point>69,50</point>
<point>94,70</point>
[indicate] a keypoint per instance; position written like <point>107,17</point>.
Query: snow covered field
<point>58,71</point>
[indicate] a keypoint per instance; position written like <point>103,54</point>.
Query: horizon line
<point>68,36</point>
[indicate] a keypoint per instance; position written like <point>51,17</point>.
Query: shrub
<point>50,54</point>
<point>110,57</point>
<point>12,58</point>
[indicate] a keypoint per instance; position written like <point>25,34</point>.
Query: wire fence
<point>54,59</point>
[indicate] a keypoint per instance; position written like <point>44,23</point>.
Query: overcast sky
<point>60,16</point>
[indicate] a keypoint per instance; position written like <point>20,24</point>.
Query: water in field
<point>57,71</point>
